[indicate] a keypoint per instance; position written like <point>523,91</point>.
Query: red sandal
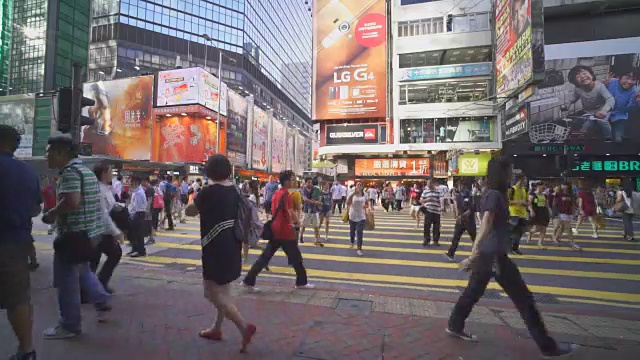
<point>211,334</point>
<point>251,330</point>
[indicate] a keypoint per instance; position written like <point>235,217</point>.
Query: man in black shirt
<point>465,220</point>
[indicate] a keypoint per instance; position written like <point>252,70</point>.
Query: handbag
<point>267,230</point>
<point>120,217</point>
<point>621,206</point>
<point>75,247</point>
<point>370,222</point>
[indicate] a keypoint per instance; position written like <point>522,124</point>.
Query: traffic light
<point>70,105</point>
<point>84,102</point>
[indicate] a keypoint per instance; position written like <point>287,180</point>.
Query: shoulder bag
<point>267,231</point>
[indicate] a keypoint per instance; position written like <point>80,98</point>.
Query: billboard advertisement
<point>349,65</point>
<point>516,123</point>
<point>184,139</point>
<point>473,164</point>
<point>260,137</point>
<point>123,117</point>
<point>18,111</point>
<point>587,100</point>
<point>445,71</point>
<point>290,162</point>
<point>301,156</point>
<point>392,167</point>
<point>189,87</point>
<point>278,146</point>
<point>519,43</point>
<point>237,128</point>
<point>350,134</point>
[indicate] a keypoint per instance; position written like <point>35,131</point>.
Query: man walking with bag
<point>78,218</point>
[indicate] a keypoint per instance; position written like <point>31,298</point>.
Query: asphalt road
<point>605,273</point>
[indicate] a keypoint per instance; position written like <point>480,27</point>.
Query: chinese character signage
<point>185,139</point>
<point>392,167</point>
<point>594,167</point>
<point>123,117</point>
<point>191,86</point>
<point>349,59</point>
<point>445,71</point>
<point>519,43</point>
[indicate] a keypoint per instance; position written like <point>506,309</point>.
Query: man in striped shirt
<point>430,201</point>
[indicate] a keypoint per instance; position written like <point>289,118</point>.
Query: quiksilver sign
<point>516,123</point>
<point>352,134</point>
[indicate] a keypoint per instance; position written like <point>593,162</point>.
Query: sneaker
<point>137,255</point>
<point>31,355</point>
<point>250,288</point>
<point>576,247</point>
<point>563,350</point>
<point>59,332</point>
<point>150,241</point>
<point>359,253</point>
<point>595,235</point>
<point>516,252</point>
<point>461,335</point>
<point>211,334</point>
<point>574,231</point>
<point>306,286</point>
<point>449,257</point>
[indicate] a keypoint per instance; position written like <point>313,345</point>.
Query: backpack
<point>243,225</point>
<point>171,188</point>
<point>158,200</point>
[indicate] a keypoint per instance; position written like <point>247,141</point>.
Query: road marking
<point>596,302</point>
<point>421,281</point>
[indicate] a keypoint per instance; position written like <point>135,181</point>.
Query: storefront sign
<point>597,166</point>
<point>352,134</point>
<point>558,148</point>
<point>392,167</point>
<point>445,71</point>
<point>516,123</point>
<point>473,165</point>
<point>349,59</point>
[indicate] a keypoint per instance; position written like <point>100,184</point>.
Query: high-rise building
<point>258,39</point>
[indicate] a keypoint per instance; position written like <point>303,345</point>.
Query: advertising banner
<point>392,167</point>
<point>598,166</point>
<point>259,139</point>
<point>349,65</point>
<point>123,115</point>
<point>237,129</point>
<point>278,146</point>
<point>301,156</point>
<point>18,111</point>
<point>184,139</point>
<point>189,87</point>
<point>351,134</point>
<point>315,142</point>
<point>473,165</point>
<point>516,124</point>
<point>519,43</point>
<point>290,163</point>
<point>445,71</point>
<point>589,100</point>
<point>449,130</point>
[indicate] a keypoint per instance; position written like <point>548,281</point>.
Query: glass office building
<point>266,45</point>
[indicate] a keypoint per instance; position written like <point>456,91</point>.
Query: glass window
<point>447,130</point>
<point>444,92</point>
<point>470,22</point>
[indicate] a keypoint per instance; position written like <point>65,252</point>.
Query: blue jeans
<point>67,279</point>
<point>603,125</point>
<point>618,128</point>
<point>356,228</point>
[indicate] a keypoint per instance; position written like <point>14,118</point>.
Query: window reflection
<point>447,130</point>
<point>444,92</point>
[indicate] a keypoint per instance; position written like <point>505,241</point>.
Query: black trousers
<point>336,203</point>
<point>431,220</point>
<point>398,205</point>
<point>508,277</point>
<point>167,210</point>
<point>469,226</point>
<point>518,226</point>
<point>137,232</point>
<point>385,204</point>
<point>291,249</point>
<point>111,249</point>
<point>155,218</point>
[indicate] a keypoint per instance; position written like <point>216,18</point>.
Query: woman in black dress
<point>540,213</point>
<point>489,259</point>
<point>221,251</point>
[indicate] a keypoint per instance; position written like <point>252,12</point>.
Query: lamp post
<point>209,39</point>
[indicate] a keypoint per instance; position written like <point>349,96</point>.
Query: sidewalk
<point>158,313</point>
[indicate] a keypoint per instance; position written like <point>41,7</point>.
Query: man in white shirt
<point>336,198</point>
<point>116,188</point>
<point>138,213</point>
<point>373,196</point>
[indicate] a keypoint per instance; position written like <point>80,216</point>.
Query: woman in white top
<point>108,244</point>
<point>626,196</point>
<point>357,206</point>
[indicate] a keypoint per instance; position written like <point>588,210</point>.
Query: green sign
<point>473,165</point>
<point>607,165</point>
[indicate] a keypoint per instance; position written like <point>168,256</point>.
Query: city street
<point>604,274</point>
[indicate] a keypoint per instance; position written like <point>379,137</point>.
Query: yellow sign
<point>469,165</point>
<point>473,165</point>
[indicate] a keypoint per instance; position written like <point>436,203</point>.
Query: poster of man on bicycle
<point>587,98</point>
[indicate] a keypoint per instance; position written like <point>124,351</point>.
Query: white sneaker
<point>307,286</point>
<point>249,288</point>
<point>595,235</point>
<point>574,231</point>
<point>359,252</point>
<point>59,332</point>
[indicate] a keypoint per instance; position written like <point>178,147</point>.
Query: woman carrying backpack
<point>221,250</point>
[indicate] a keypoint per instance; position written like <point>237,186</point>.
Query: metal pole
<point>206,50</point>
<point>219,101</point>
<point>76,84</point>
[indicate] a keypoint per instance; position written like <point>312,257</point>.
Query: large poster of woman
<point>588,98</point>
<point>260,138</point>
<point>301,158</point>
<point>278,146</point>
<point>291,150</point>
<point>122,115</point>
<point>184,139</point>
<point>237,128</point>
